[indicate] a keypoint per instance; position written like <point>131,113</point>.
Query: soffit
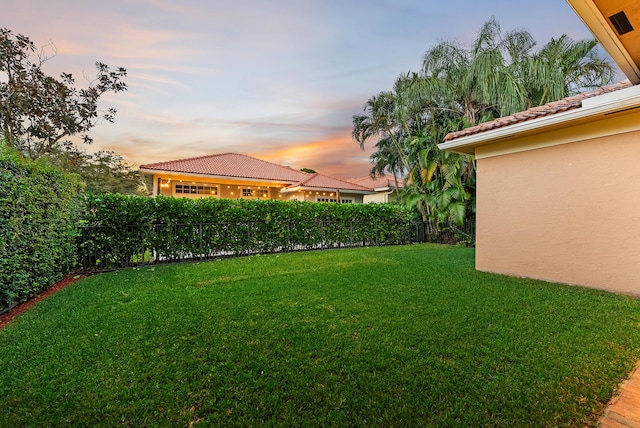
<point>600,17</point>
<point>630,9</point>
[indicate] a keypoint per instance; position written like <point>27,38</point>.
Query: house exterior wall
<point>232,189</point>
<point>227,189</point>
<point>320,196</point>
<point>567,212</point>
<point>380,197</point>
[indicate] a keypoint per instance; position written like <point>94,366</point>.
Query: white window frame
<point>247,192</point>
<point>204,189</point>
<point>342,201</point>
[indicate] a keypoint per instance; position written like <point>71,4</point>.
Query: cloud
<point>279,80</point>
<point>337,155</point>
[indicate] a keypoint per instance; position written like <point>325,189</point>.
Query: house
<point>233,175</point>
<point>558,185</point>
<point>386,187</point>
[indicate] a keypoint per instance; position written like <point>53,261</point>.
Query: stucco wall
<point>567,213</point>
<point>231,189</point>
<point>380,197</point>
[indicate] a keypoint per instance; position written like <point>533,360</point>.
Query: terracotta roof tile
<point>384,181</point>
<point>243,166</point>
<point>549,109</point>
<point>230,165</point>
<point>325,182</point>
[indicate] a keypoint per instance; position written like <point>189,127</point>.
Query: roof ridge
<point>218,155</point>
<point>308,179</point>
<point>343,181</point>
<point>213,155</point>
<point>378,181</point>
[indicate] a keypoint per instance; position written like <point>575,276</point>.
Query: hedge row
<point>39,207</point>
<point>120,210</point>
<point>124,230</point>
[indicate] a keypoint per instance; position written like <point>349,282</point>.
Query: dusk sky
<point>279,80</point>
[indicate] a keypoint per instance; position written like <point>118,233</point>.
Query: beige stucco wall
<point>568,213</point>
<point>232,189</point>
<point>380,197</point>
<point>228,189</point>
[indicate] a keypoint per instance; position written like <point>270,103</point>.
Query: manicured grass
<point>395,336</point>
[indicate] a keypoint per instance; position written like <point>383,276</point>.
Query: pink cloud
<point>338,156</point>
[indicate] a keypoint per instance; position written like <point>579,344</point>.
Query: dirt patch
<point>9,316</point>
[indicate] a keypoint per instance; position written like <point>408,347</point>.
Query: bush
<point>123,230</point>
<point>38,226</point>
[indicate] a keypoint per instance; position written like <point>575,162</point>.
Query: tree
<point>103,172</point>
<point>565,67</point>
<point>382,122</point>
<point>458,87</point>
<point>39,113</point>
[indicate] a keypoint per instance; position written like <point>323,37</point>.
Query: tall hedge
<point>121,210</point>
<point>39,207</point>
<point>124,229</point>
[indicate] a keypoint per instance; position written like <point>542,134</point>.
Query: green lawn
<point>394,336</point>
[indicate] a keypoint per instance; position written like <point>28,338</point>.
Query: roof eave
<point>213,176</point>
<point>386,188</point>
<point>623,99</point>
<point>598,25</point>
<point>324,189</point>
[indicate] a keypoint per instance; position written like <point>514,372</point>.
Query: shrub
<point>38,226</point>
<point>123,229</point>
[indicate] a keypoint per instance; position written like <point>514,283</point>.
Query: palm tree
<point>565,67</point>
<point>385,159</point>
<point>381,122</point>
<point>458,87</point>
<point>497,75</point>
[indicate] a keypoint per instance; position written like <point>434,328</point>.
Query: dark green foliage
<point>462,86</point>
<point>121,230</point>
<point>40,113</point>
<point>102,172</point>
<point>38,224</point>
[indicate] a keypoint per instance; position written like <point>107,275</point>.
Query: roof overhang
<point>294,189</point>
<point>618,102</point>
<point>213,177</point>
<point>616,25</point>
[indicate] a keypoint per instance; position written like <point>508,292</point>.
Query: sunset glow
<point>275,80</point>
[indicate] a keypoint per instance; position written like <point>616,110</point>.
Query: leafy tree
<point>39,113</point>
<point>308,170</point>
<point>103,172</point>
<point>458,86</point>
<point>566,67</point>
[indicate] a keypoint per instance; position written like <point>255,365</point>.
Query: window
<point>342,201</point>
<point>196,189</point>
<point>255,193</point>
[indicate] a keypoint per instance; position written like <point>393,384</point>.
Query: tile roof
<point>235,165</point>
<point>319,181</point>
<point>378,182</point>
<point>549,109</point>
<point>230,165</point>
